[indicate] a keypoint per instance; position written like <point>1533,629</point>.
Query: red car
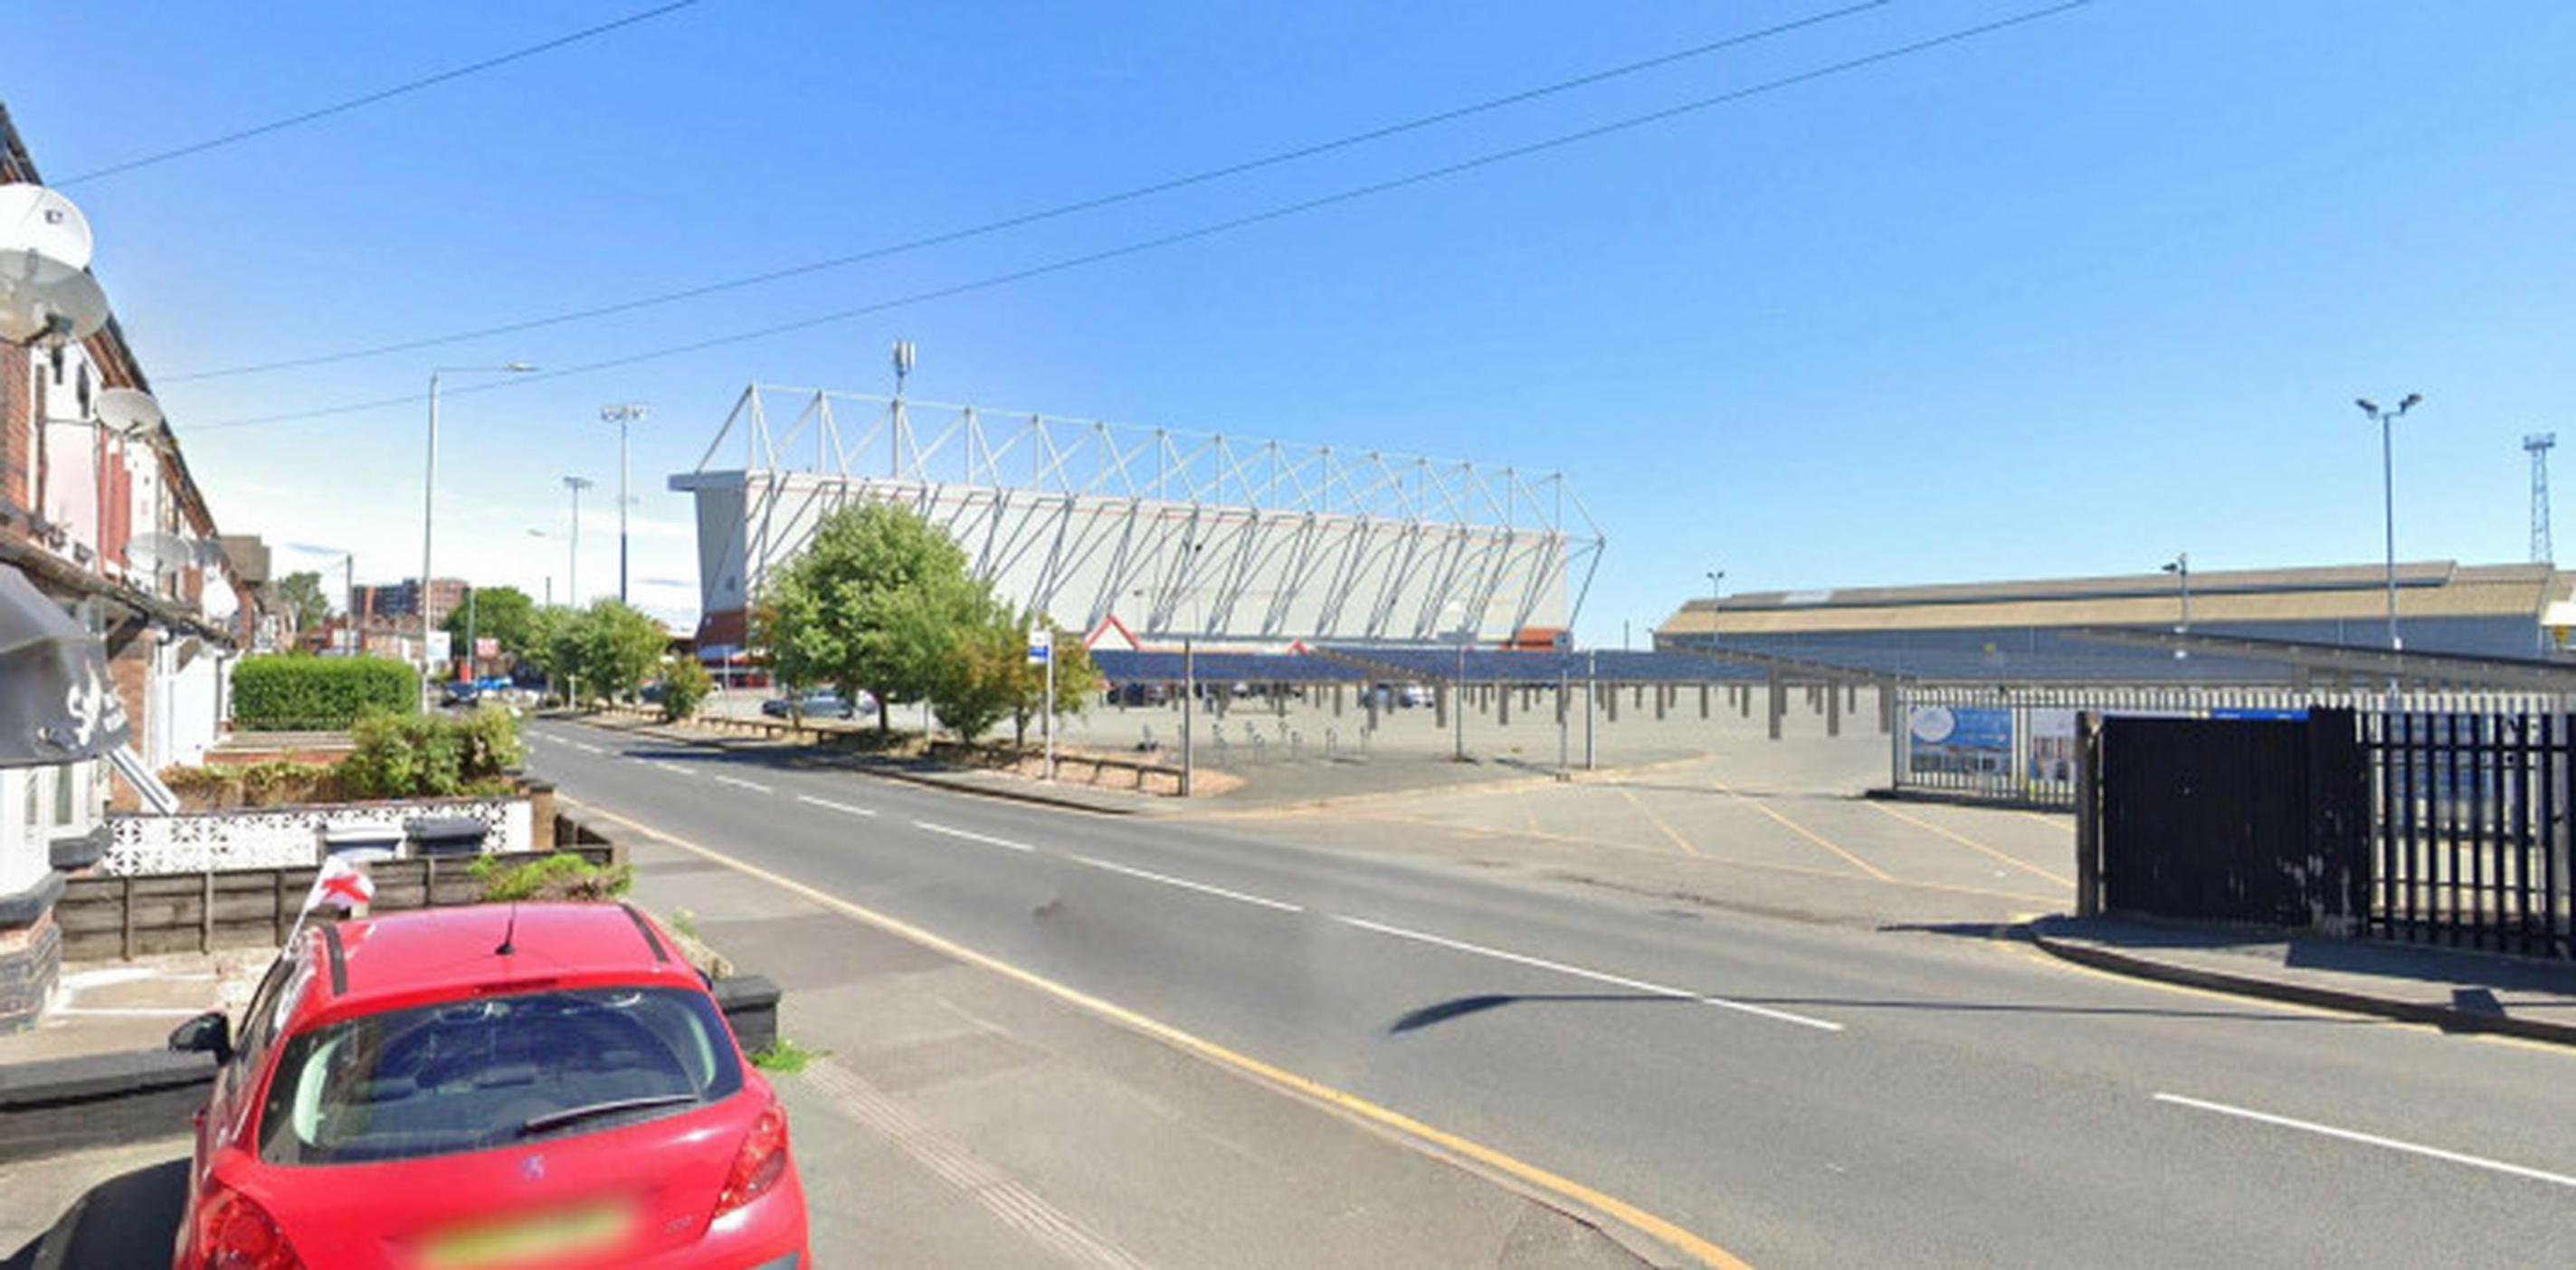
<point>497,1086</point>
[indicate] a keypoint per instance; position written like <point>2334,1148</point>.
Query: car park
<point>530,1084</point>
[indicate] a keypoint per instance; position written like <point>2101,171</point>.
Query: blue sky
<point>2065,299</point>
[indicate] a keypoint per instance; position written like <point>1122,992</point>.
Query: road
<point>1801,1094</point>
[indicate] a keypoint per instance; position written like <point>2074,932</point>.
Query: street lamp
<point>622,414</point>
<point>1716,589</point>
<point>2180,567</point>
<point>572,555</point>
<point>2388,487</point>
<point>429,499</point>
<point>547,573</point>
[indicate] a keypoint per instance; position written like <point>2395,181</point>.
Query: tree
<point>553,644</point>
<point>617,647</point>
<point>871,605</point>
<point>685,683</point>
<point>502,613</point>
<point>1077,677</point>
<point>982,672</point>
<point>302,593</point>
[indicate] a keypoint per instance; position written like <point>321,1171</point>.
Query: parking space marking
<point>740,783</point>
<point>2370,1139</point>
<point>970,836</point>
<point>1970,843</point>
<point>1648,812</point>
<point>1186,884</point>
<point>1597,976</point>
<point>1809,834</point>
<point>844,808</point>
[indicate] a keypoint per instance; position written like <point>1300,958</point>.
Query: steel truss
<point>1186,533</point>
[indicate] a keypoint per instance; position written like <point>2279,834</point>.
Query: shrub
<point>276,783</point>
<point>419,755</point>
<point>562,876</point>
<point>278,691</point>
<point>684,685</point>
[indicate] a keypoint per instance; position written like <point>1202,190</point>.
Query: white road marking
<point>2370,1139</point>
<point>839,807</point>
<point>1641,985</point>
<point>740,783</point>
<point>987,840</point>
<point>1184,883</point>
<point>585,747</point>
<point>673,768</point>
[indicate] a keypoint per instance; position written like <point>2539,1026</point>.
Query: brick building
<point>112,530</point>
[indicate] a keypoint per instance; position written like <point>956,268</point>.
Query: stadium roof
<point>2426,589</point>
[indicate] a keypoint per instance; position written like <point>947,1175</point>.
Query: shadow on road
<point>131,1219</point>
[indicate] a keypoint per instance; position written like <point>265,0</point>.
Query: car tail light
<point>759,1164</point>
<point>235,1233</point>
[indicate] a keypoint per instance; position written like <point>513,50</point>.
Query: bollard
<point>1833,710</point>
<point>1659,703</point>
<point>1503,708</point>
<point>1703,701</point>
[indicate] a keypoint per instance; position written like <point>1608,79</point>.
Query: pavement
<point>2454,989</point>
<point>1827,1051</point>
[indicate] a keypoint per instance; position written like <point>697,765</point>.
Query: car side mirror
<point>209,1033</point>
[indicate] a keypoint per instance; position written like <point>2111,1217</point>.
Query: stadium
<point>1149,538</point>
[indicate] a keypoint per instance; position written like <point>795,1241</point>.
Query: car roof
<point>426,955</point>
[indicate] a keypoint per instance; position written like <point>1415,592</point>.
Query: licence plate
<point>551,1235</point>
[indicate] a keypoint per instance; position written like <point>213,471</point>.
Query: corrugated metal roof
<point>2433,589</point>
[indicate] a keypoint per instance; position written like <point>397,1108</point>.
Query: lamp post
<point>2388,487</point>
<point>622,414</point>
<point>2180,567</point>
<point>429,500</point>
<point>549,576</point>
<point>572,555</point>
<point>1716,590</point>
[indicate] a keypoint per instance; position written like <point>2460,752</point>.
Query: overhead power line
<point>1209,230</point>
<point>382,94</point>
<point>1019,220</point>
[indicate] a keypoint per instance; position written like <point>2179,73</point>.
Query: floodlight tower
<point>2538,444</point>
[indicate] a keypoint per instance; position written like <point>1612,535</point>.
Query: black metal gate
<point>2236,820</point>
<point>2472,833</point>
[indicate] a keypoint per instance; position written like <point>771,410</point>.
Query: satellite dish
<point>165,553</point>
<point>33,218</point>
<point>46,303</point>
<point>129,412</point>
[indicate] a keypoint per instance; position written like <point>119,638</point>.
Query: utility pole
<point>473,672</point>
<point>1716,592</point>
<point>572,563</point>
<point>2538,445</point>
<point>622,414</point>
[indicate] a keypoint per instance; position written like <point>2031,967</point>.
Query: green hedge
<point>281,692</point>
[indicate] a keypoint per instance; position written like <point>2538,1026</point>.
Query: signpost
<point>1042,653</point>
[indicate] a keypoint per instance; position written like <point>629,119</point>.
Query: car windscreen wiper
<point>558,1119</point>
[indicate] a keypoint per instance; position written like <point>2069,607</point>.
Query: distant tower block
<point>2538,445</point>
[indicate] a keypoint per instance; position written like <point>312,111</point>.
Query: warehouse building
<point>2040,631</point>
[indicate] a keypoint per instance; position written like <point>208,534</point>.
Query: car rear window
<point>493,1071</point>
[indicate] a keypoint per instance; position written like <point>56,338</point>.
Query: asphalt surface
<point>1800,1093</point>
